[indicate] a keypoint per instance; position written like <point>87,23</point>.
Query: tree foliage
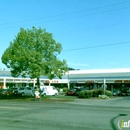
<point>34,52</point>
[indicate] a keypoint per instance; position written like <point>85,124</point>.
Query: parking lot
<point>80,114</point>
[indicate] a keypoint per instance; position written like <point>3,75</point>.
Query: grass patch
<point>59,98</point>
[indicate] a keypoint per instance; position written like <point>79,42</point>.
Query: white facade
<point>73,76</point>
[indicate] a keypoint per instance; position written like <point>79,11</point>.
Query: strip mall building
<point>91,79</point>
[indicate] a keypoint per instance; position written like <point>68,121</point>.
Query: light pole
<point>104,85</point>
<point>68,79</point>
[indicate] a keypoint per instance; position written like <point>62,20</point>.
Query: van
<point>48,90</point>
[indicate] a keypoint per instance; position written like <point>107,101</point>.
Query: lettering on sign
<point>54,81</point>
<point>118,81</point>
<point>89,81</point>
<point>122,81</point>
<point>47,81</point>
<point>126,81</point>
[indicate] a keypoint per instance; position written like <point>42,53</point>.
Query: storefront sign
<point>126,81</point>
<point>122,81</point>
<point>89,81</point>
<point>47,81</point>
<point>118,81</point>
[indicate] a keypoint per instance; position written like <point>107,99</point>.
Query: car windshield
<point>28,88</point>
<point>14,88</point>
<point>71,90</point>
<point>5,90</point>
<point>21,88</point>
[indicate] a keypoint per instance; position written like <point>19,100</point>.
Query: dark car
<point>116,92</point>
<point>71,92</point>
<point>7,92</point>
<point>78,90</point>
<point>124,92</point>
<point>15,90</point>
<point>1,90</point>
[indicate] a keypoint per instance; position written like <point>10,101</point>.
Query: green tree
<point>33,53</point>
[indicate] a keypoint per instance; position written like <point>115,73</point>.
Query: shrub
<point>82,94</point>
<point>108,93</point>
<point>97,92</point>
<point>86,94</point>
<point>65,90</point>
<point>94,93</point>
<point>58,89</point>
<point>89,93</point>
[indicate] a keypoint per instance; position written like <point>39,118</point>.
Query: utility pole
<point>68,80</point>
<point>104,85</point>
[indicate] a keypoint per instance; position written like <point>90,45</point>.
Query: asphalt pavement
<point>81,114</point>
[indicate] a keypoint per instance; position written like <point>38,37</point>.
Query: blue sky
<point>95,34</point>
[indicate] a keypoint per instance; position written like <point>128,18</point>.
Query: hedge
<point>94,93</point>
<point>86,94</point>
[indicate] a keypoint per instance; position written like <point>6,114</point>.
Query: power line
<point>73,13</point>
<point>102,26</point>
<point>91,47</point>
<point>75,16</point>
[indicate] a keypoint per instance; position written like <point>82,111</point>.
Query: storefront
<point>90,79</point>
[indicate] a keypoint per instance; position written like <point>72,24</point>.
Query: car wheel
<point>22,94</point>
<point>33,95</point>
<point>44,94</point>
<point>55,94</point>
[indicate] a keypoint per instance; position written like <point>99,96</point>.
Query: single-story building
<point>110,78</point>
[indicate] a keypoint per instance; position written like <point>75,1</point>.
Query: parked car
<point>1,90</point>
<point>125,92</point>
<point>15,90</point>
<point>21,90</point>
<point>71,92</point>
<point>116,92</point>
<point>78,90</point>
<point>7,92</point>
<point>28,91</point>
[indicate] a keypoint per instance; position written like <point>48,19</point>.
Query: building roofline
<point>120,70</point>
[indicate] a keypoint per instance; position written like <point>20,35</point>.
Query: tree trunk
<point>38,82</point>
